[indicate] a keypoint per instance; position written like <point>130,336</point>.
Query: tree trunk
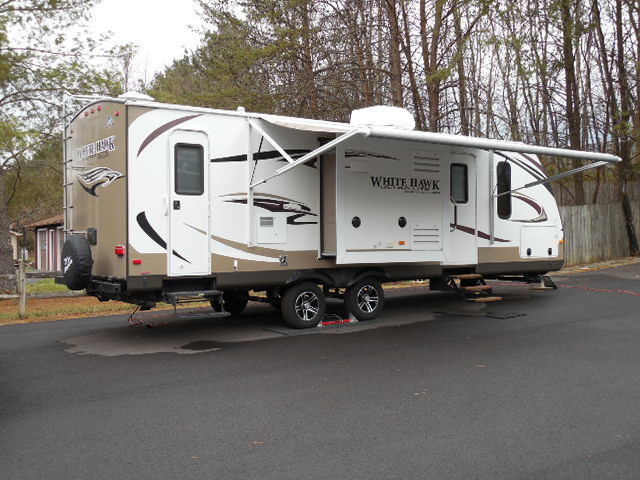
<point>462,77</point>
<point>6,252</point>
<point>430,59</point>
<point>624,129</point>
<point>571,93</point>
<point>406,49</point>
<point>308,63</point>
<point>395,67</point>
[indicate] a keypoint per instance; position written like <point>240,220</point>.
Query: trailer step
<point>475,288</point>
<point>195,293</point>
<point>485,299</point>
<point>175,298</point>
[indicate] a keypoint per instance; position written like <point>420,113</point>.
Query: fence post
<point>22,289</point>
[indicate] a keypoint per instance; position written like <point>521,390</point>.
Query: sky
<point>161,28</point>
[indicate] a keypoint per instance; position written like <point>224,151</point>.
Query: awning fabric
<point>435,138</point>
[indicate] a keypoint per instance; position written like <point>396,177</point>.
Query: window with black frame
<point>504,185</point>
<point>459,183</point>
<point>189,169</point>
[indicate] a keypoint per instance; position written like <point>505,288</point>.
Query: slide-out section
<point>388,202</point>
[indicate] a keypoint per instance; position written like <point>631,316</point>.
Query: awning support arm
<point>492,220</point>
<point>249,221</point>
<point>323,148</point>
<point>558,176</point>
<point>275,145</point>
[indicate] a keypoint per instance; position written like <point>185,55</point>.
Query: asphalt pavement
<point>542,385</point>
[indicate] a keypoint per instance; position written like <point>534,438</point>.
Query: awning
<point>346,131</point>
<point>308,125</point>
<point>437,138</point>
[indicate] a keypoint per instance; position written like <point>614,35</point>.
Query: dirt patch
<point>60,308</point>
<point>40,309</point>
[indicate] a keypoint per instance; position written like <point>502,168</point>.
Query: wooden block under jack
<point>485,299</point>
<point>466,276</point>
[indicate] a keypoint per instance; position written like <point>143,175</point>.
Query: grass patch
<point>46,285</point>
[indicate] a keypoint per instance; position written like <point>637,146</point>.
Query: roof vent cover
<point>136,96</point>
<point>383,116</point>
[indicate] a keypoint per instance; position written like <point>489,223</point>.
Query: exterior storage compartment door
<point>188,204</point>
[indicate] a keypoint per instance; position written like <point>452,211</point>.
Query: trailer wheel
<point>303,305</point>
<point>364,299</point>
<point>234,302</point>
<point>76,262</point>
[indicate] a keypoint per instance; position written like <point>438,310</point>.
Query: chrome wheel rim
<point>307,306</point>
<point>368,298</point>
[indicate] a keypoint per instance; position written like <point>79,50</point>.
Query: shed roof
<point>46,222</point>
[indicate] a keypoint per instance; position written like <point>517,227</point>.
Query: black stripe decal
<point>474,232</point>
<point>146,227</point>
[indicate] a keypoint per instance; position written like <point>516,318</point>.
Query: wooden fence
<point>605,192</point>
<point>597,232</point>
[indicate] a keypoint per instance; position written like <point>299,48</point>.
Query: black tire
<point>303,305</point>
<point>76,262</point>
<point>364,299</point>
<point>235,302</point>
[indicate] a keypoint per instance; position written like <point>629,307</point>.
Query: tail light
<point>119,250</point>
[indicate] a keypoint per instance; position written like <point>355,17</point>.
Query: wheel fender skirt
<point>317,276</point>
<point>380,275</point>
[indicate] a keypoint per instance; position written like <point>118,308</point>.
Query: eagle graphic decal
<point>96,177</point>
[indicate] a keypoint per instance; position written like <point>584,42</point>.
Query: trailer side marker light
<point>137,262</point>
<point>86,114</point>
<point>561,242</point>
<point>401,242</point>
<point>99,107</point>
<point>117,114</point>
<point>93,111</point>
<point>119,250</point>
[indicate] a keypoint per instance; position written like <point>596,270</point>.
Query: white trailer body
<point>181,199</point>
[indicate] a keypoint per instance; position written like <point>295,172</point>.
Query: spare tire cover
<point>76,262</point>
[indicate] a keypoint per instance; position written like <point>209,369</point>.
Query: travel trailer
<point>173,203</point>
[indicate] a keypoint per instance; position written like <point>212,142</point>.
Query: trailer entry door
<point>189,204</point>
<point>462,215</point>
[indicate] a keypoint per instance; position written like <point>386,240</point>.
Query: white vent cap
<point>383,116</point>
<point>136,96</point>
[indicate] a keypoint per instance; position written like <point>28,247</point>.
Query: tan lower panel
<point>510,254</point>
<point>303,259</point>
<point>152,263</point>
<point>300,260</point>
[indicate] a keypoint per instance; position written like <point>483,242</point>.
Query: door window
<point>504,185</point>
<point>189,165</point>
<point>459,183</point>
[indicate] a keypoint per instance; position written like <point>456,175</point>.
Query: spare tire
<point>76,262</point>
